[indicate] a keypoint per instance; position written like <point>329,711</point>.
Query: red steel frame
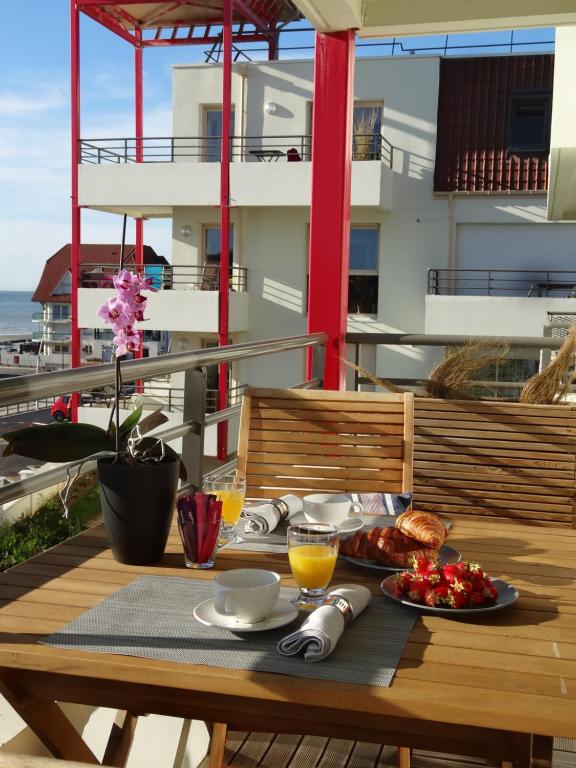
<point>76,216</point>
<point>330,203</point>
<point>331,163</point>
<point>223,305</point>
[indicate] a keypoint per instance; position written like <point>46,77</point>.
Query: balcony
<point>496,302</point>
<point>184,171</point>
<point>186,298</point>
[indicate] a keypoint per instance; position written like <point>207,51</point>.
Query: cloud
<point>14,104</point>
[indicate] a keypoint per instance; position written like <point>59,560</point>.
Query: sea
<point>16,309</point>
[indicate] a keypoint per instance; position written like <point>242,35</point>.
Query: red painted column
<point>76,214</point>
<point>139,128</point>
<point>330,204</point>
<point>224,222</point>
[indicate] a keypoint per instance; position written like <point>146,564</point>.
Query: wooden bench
<point>302,441</point>
<point>495,459</point>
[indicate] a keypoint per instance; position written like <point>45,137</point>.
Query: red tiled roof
<point>57,266</point>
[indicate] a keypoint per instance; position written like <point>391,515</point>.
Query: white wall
<point>492,315</point>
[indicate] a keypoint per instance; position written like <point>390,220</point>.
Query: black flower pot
<point>138,503</point>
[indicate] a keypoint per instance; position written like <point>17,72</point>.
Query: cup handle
<point>224,603</point>
<point>356,509</point>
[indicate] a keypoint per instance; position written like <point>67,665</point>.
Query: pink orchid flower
<point>115,312</point>
<point>126,341</point>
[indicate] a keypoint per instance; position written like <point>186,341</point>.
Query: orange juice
<point>312,564</point>
<point>232,503</point>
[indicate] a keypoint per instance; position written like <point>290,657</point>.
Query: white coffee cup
<point>333,508</point>
<point>247,595</point>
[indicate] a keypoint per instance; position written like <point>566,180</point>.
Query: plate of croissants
<point>415,535</point>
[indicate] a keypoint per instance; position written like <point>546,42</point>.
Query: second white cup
<point>247,595</point>
<point>332,508</point>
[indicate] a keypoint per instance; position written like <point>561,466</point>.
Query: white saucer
<point>284,612</point>
<point>349,525</point>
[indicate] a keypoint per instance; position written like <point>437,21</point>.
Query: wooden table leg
<point>404,755</point>
<point>120,741</point>
<point>47,721</point>
<point>217,745</point>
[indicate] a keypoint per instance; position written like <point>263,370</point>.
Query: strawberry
<point>476,599</point>
<point>457,599</point>
<point>417,590</point>
<point>436,596</point>
<point>450,572</point>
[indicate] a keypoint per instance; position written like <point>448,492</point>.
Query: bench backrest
<point>303,441</point>
<point>495,458</point>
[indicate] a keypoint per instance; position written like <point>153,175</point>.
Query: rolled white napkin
<point>263,518</point>
<point>319,634</point>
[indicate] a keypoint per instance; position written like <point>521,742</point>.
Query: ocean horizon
<point>16,310</point>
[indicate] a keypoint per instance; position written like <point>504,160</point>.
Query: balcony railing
<point>17,389</point>
<point>263,149</point>
<point>558,283</point>
<point>204,277</point>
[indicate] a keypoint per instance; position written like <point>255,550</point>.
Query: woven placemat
<point>152,617</point>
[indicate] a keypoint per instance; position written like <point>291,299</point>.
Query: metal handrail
<point>51,477</point>
<point>450,340</point>
<point>250,148</point>
<point>490,282</point>
<point>41,385</point>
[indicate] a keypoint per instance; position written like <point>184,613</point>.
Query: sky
<point>35,123</point>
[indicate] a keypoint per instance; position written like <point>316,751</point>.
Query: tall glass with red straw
<point>199,520</point>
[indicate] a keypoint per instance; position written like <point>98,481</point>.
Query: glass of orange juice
<point>312,552</point>
<point>230,489</point>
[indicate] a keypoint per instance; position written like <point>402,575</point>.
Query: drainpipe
<point>223,324</point>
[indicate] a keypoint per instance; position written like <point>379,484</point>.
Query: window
<point>213,132</point>
<point>367,130</point>
<point>529,122</point>
<point>61,311</point>
<point>61,348</point>
<point>363,274</point>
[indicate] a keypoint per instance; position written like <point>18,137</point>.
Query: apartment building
<point>97,265</point>
<point>449,216</point>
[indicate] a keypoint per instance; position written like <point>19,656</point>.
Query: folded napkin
<point>319,634</point>
<point>383,503</point>
<point>263,518</point>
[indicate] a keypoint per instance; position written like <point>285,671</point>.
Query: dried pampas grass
<point>454,376</point>
<point>366,374</point>
<point>551,385</point>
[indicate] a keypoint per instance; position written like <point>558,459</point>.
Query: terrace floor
<point>265,750</point>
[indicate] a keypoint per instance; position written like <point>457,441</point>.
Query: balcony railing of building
<point>40,317</point>
<point>17,389</point>
<point>558,283</point>
<point>202,277</point>
<point>263,149</point>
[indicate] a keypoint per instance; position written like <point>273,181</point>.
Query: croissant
<point>425,527</point>
<point>385,546</point>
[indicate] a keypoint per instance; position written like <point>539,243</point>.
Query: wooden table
<point>479,687</point>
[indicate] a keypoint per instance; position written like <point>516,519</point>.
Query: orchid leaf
<point>152,421</point>
<point>130,422</point>
<point>57,442</point>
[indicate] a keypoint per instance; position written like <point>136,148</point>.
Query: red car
<point>60,408</point>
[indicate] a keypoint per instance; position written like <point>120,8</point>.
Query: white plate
<point>350,525</point>
<point>446,555</point>
<point>284,612</point>
<point>507,594</point>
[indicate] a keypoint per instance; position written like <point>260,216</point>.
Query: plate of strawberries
<point>453,588</point>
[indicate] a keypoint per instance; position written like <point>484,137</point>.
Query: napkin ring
<point>343,605</point>
<point>282,508</point>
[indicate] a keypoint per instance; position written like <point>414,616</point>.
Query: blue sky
<point>35,124</point>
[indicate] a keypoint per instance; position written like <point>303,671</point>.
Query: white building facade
<point>403,226</point>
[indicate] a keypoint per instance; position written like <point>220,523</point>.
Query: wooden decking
<point>268,750</point>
